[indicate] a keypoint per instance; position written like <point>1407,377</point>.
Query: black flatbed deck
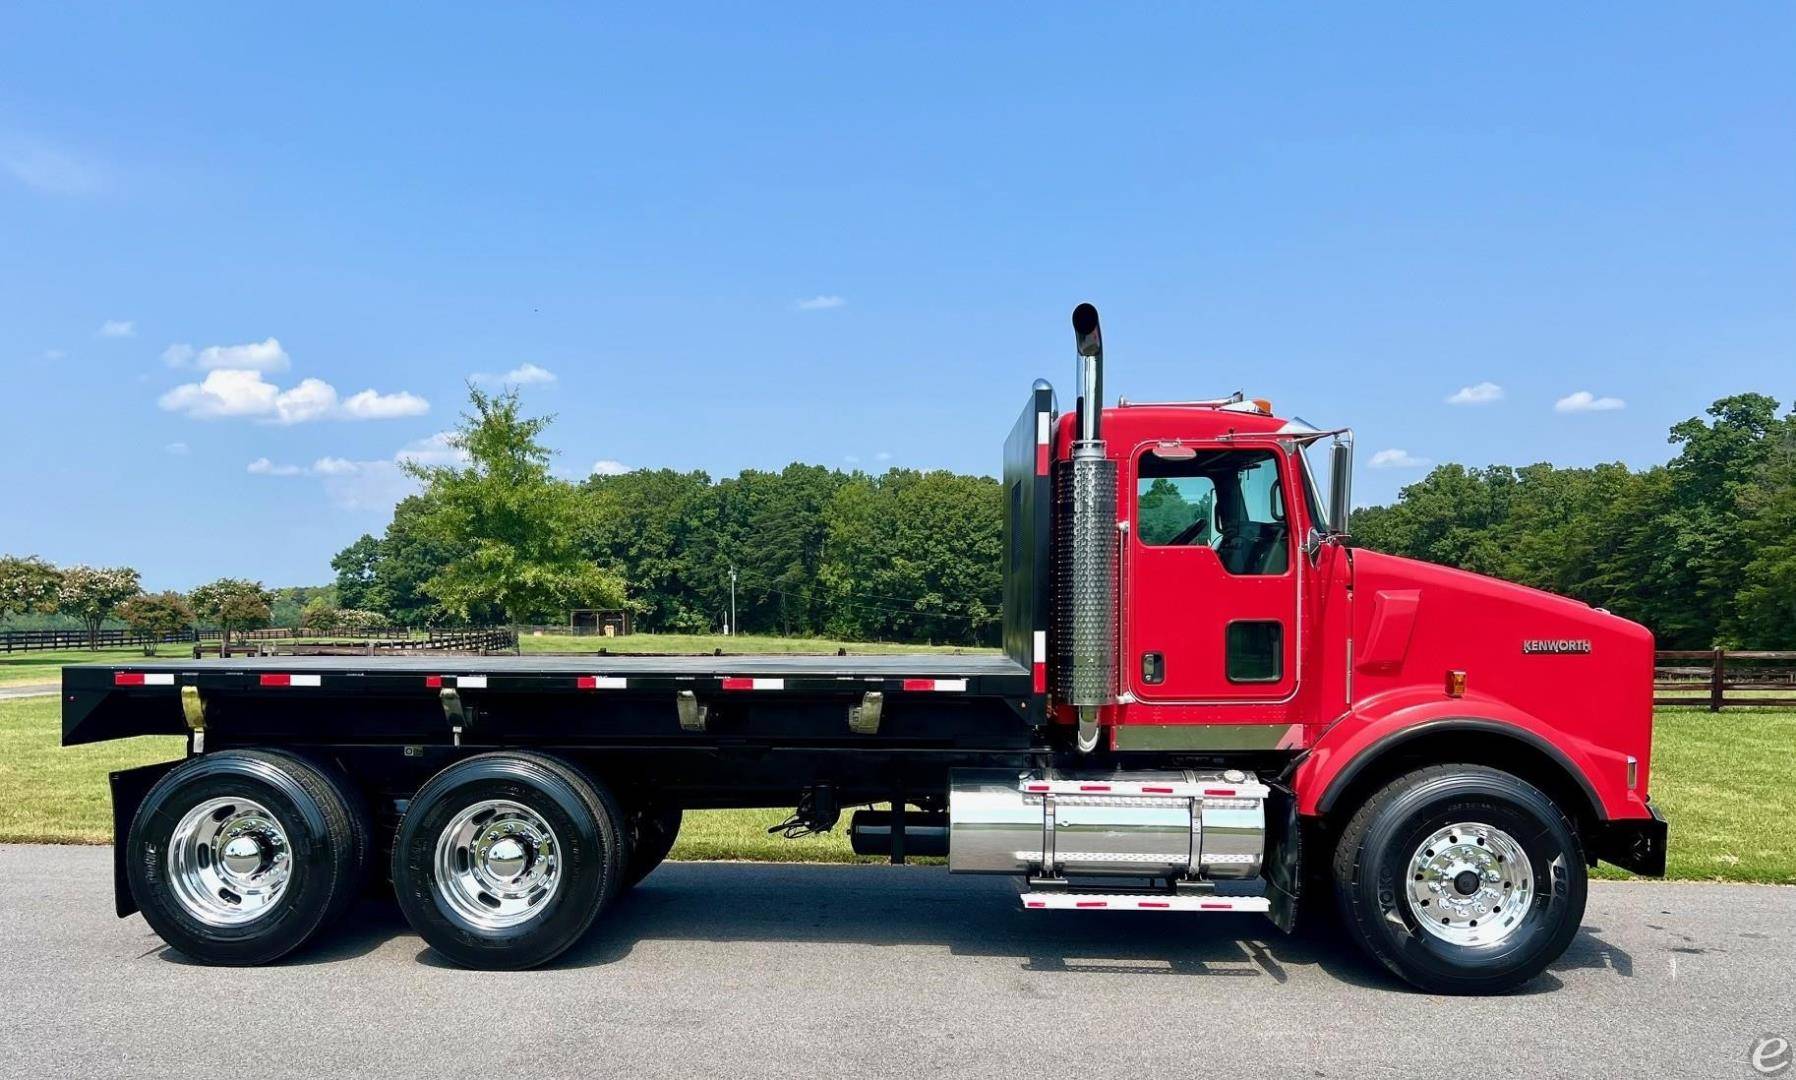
<point>108,700</point>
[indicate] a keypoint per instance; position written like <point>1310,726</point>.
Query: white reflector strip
<point>1041,429</point>
<point>604,682</point>
<point>305,680</point>
<point>1090,902</point>
<point>151,678</point>
<point>471,682</point>
<point>1041,646</point>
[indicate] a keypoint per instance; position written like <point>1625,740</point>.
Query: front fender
<point>1386,722</point>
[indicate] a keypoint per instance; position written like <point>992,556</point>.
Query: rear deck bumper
<point>1634,844</point>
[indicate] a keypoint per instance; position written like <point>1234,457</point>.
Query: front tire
<point>1461,879</point>
<point>239,857</point>
<point>504,860</point>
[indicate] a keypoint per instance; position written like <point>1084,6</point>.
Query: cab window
<point>1231,501</point>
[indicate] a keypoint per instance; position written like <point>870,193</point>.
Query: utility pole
<point>731,629</point>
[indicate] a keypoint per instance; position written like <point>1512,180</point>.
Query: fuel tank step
<point>1098,901</point>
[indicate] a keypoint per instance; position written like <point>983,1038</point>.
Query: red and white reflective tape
<point>291,680</point>
<point>950,686</point>
<point>601,682</point>
<point>143,678</point>
<point>1086,902</point>
<point>738,683</point>
<point>1043,436</point>
<point>465,682</point>
<point>1041,662</point>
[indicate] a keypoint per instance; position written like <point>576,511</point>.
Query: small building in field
<point>602,622</point>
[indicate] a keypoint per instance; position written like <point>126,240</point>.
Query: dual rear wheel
<point>502,860</point>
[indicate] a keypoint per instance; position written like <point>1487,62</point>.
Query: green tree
<point>92,594</point>
<point>520,525</point>
<point>234,604</point>
<point>27,583</point>
<point>155,616</point>
<point>914,556</point>
<point>658,530</point>
<point>358,574</point>
<point>1765,613</point>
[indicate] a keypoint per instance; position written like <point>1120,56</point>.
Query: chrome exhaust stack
<point>1086,543</point>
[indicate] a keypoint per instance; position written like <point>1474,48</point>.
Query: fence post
<point>1717,680</point>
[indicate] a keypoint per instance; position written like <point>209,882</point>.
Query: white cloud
<point>222,394</point>
<point>1482,394</point>
<point>608,467</point>
<point>229,392</point>
<point>377,484</point>
<point>432,450</point>
<point>312,399</point>
<point>179,449</point>
<point>54,354</point>
<point>522,375</point>
<point>852,459</point>
<point>52,172</point>
<point>263,467</point>
<point>883,455</point>
<point>266,355</point>
<point>118,328</point>
<point>369,405</point>
<point>1585,401</point>
<point>820,303</point>
<point>1397,459</point>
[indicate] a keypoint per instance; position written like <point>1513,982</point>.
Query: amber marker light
<point>1456,684</point>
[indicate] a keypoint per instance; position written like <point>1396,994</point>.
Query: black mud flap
<point>128,789</point>
<point>1636,845</point>
<point>1284,857</point>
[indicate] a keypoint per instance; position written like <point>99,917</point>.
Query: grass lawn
<point>46,667</point>
<point>1725,781</point>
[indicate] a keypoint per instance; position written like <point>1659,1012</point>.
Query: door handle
<point>1153,668</point>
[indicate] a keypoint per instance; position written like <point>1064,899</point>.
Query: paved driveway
<point>739,970</point>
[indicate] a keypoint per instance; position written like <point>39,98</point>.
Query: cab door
<point>1211,575</point>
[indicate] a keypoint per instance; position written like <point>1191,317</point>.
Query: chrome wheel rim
<point>1470,884</point>
<point>497,864</point>
<point>229,861</point>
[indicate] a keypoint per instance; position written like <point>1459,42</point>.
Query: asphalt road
<point>28,690</point>
<point>741,970</point>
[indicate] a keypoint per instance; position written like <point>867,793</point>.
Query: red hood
<point>1579,670</point>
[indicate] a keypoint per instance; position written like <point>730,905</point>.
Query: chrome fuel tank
<point>1186,825</point>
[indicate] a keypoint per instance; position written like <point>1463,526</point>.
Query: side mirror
<point>1340,486</point>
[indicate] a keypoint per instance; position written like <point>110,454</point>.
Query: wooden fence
<point>274,641</point>
<point>481,640</point>
<point>1716,679</point>
<point>12,641</point>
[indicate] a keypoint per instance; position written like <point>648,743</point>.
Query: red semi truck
<point>1209,701</point>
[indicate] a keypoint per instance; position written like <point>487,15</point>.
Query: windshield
<point>1318,508</point>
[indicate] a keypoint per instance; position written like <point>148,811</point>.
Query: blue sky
<point>851,235</point>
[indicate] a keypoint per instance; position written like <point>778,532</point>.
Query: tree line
<point>901,556</point>
<point>1701,549</point>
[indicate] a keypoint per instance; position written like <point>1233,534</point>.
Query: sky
<point>251,258</point>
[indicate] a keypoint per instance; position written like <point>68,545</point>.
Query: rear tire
<point>504,860</point>
<point>1461,879</point>
<point>239,857</point>
<point>655,830</point>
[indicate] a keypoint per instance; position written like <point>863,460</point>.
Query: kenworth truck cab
<point>1209,701</point>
